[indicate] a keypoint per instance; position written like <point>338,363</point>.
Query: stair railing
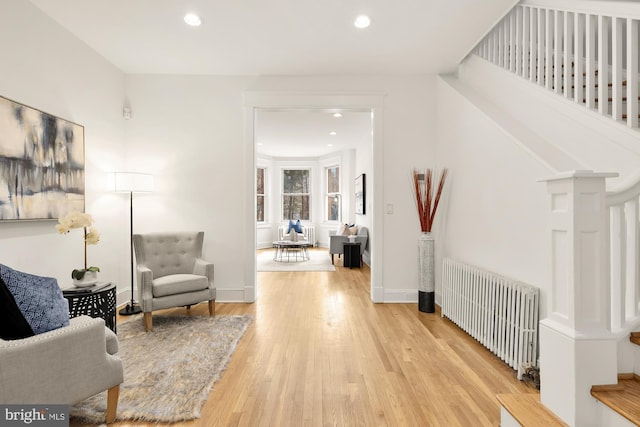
<point>585,51</point>
<point>624,215</point>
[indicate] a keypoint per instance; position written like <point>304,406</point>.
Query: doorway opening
<point>299,137</point>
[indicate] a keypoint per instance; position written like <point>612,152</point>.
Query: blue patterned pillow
<point>39,299</point>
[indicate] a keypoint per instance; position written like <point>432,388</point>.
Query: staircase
<point>537,37</point>
<point>587,52</point>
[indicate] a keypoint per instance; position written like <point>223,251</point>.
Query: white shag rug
<point>168,373</point>
<point>318,261</point>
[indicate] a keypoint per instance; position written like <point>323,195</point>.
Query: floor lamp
<point>131,182</point>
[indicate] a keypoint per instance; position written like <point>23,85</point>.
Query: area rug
<point>168,373</point>
<point>318,261</point>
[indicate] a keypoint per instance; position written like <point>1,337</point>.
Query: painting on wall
<point>41,164</point>
<point>360,195</point>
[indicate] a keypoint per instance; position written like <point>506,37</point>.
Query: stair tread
<point>634,337</point>
<point>625,400</point>
<point>528,410</point>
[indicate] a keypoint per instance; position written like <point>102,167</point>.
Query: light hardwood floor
<point>320,353</point>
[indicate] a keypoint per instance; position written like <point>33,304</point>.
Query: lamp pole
<point>131,307</point>
<point>131,182</point>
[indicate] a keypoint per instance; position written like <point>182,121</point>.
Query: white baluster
<point>568,56</point>
<point>579,36</point>
<point>541,45</point>
<point>518,40</point>
<point>526,51</point>
<point>591,69</point>
<point>616,68</point>
<point>549,49</point>
<point>604,25</point>
<point>500,29</point>
<point>533,37</point>
<point>557,52</point>
<point>513,51</point>
<point>632,261</point>
<point>617,277</point>
<point>507,43</point>
<point>495,42</point>
<point>632,73</point>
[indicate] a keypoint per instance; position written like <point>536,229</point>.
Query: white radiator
<point>500,313</point>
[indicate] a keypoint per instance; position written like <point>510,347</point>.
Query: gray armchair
<point>336,242</point>
<point>171,272</point>
<point>63,366</point>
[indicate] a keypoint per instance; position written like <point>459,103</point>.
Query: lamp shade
<point>131,182</point>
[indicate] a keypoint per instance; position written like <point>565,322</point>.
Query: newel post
<point>577,349</point>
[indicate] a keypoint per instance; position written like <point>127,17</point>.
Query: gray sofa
<point>336,242</point>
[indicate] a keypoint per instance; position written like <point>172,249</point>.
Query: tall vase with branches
<point>427,198</point>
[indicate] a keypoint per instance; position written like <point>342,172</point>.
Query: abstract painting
<point>41,164</point>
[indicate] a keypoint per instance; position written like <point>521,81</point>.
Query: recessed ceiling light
<point>329,145</point>
<point>337,115</point>
<point>192,19</point>
<point>362,21</point>
<point>333,133</point>
<point>260,144</point>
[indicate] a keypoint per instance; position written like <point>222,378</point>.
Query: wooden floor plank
<point>320,353</point>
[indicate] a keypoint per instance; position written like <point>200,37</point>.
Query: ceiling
<point>282,37</point>
<point>279,37</point>
<point>306,133</point>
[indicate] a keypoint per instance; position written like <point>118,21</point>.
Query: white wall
<point>494,212</point>
<point>45,67</point>
<point>364,165</point>
<point>596,142</point>
<point>188,131</point>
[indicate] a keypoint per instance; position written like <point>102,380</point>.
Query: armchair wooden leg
<point>331,259</point>
<point>212,307</point>
<point>112,403</point>
<point>148,321</point>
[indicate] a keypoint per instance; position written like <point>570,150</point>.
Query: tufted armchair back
<point>168,253</point>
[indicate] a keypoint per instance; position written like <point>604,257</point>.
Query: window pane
<point>333,210</point>
<point>260,181</point>
<point>295,207</point>
<point>333,179</point>
<point>295,181</point>
<point>260,209</point>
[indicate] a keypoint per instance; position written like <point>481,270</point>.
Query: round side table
<point>96,301</point>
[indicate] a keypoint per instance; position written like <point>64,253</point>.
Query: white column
<point>576,348</point>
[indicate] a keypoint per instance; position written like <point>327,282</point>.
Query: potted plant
<point>86,276</point>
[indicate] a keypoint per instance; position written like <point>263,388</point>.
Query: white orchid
<point>90,236</point>
<point>73,220</point>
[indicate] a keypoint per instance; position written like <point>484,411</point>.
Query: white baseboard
<point>400,296</point>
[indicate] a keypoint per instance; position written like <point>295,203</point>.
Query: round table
<point>291,251</point>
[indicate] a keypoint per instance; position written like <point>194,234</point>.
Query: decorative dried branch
<point>423,190</point>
